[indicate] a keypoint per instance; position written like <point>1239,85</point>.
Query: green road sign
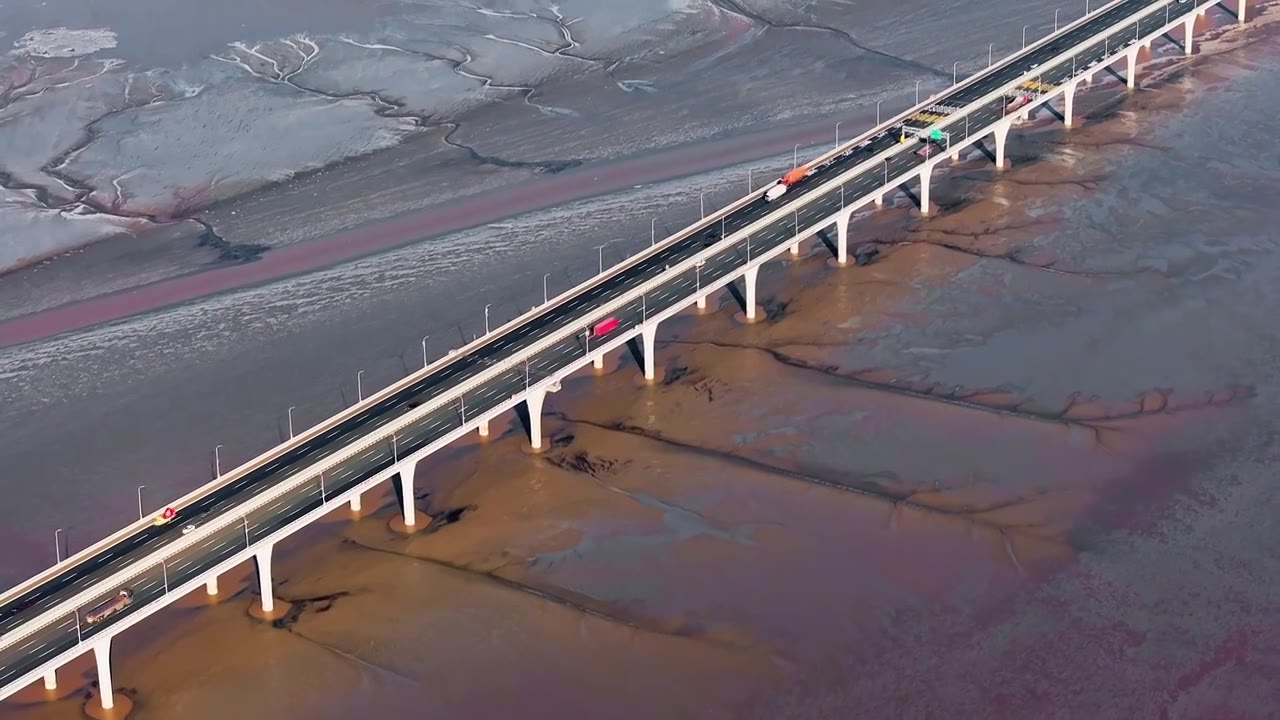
<point>935,134</point>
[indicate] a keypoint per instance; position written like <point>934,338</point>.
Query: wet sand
<point>1017,467</point>
<point>818,513</point>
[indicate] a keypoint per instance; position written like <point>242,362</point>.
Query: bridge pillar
<point>1068,103</point>
<point>749,279</point>
<point>533,400</point>
<point>1001,134</point>
<point>1131,62</point>
<point>355,503</point>
<point>51,680</point>
<point>926,174</point>
<point>795,248</point>
<point>484,428</point>
<point>1189,27</point>
<point>1242,7</point>
<point>598,361</point>
<point>702,302</point>
<point>263,557</point>
<point>406,471</point>
<point>211,585</point>
<point>102,656</point>
<point>842,238</point>
<point>649,334</point>
<point>879,201</point>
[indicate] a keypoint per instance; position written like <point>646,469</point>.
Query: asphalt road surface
<point>574,313</point>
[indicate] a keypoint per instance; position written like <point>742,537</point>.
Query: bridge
<point>83,601</point>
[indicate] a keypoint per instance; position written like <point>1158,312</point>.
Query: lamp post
<point>424,350</point>
<point>57,545</point>
<point>486,318</point>
<point>291,409</point>
<point>1055,18</point>
<point>917,92</point>
<point>702,204</point>
<point>886,171</point>
<point>165,572</point>
<point>323,500</point>
<point>653,232</point>
<point>360,386</point>
<point>955,70</point>
<point>838,133</point>
<point>990,48</point>
<point>140,501</point>
<point>245,519</point>
<point>1024,36</point>
<point>878,112</point>
<point>795,157</point>
<point>545,297</point>
<point>600,249</point>
<point>217,460</point>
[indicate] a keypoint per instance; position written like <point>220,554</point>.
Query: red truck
<point>604,326</point>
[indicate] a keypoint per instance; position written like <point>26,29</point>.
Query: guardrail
<point>510,363</point>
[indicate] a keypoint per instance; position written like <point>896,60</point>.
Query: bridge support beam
<point>51,680</point>
<point>597,362</point>
<point>649,336</point>
<point>1131,62</point>
<point>795,248</point>
<point>842,238</point>
<point>879,200</point>
<point>1242,6</point>
<point>102,657</point>
<point>263,557</point>
<point>1189,29</point>
<point>533,402</point>
<point>211,585</point>
<point>406,470</point>
<point>355,503</point>
<point>484,428</point>
<point>1068,103</point>
<point>702,302</point>
<point>749,280</point>
<point>1001,134</point>
<point>926,174</point>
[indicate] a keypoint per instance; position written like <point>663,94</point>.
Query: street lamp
<point>486,319</point>
<point>838,133</point>
<point>245,519</point>
<point>653,232</point>
<point>600,249</point>
<point>990,48</point>
<point>545,298</point>
<point>217,460</point>
<point>424,351</point>
<point>140,501</point>
<point>57,545</point>
<point>1024,36</point>
<point>360,386</point>
<point>795,157</point>
<point>702,204</point>
<point>291,409</point>
<point>955,69</point>
<point>917,92</point>
<point>1055,18</point>
<point>886,171</point>
<point>878,112</point>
